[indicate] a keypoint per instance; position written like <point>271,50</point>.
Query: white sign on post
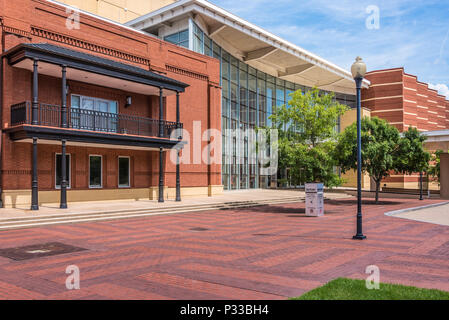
<point>314,199</point>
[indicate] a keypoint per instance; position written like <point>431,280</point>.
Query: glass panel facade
<point>249,98</point>
<point>180,38</point>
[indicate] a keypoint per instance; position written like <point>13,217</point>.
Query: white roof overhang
<point>257,47</point>
<point>436,136</point>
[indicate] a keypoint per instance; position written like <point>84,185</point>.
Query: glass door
<point>87,116</point>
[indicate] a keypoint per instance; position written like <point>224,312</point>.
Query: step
<point>113,215</point>
<point>108,214</point>
<point>161,209</point>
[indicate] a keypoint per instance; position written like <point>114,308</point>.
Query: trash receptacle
<point>314,199</point>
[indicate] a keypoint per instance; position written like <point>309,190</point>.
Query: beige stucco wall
<point>444,172</point>
<point>432,147</point>
<point>22,198</point>
<point>119,10</point>
<point>351,176</point>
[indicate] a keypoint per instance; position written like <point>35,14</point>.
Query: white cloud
<point>441,88</point>
<point>336,31</point>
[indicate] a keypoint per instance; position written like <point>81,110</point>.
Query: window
<point>249,98</point>
<point>225,65</point>
<point>198,39</point>
<point>58,170</point>
<point>95,172</point>
<point>94,104</point>
<point>123,172</point>
<point>180,38</point>
<point>208,46</point>
<point>93,113</point>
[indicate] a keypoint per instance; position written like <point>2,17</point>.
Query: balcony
<point>89,120</point>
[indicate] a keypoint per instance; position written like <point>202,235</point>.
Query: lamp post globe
<point>358,70</point>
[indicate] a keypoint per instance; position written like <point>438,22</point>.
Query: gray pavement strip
<point>395,212</point>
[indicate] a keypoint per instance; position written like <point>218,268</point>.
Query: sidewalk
<point>266,252</point>
<point>133,205</point>
<point>437,215</point>
<point>78,212</point>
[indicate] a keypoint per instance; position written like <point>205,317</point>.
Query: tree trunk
<point>377,190</point>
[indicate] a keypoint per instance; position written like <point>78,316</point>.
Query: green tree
<point>307,135</point>
<point>412,157</point>
<point>310,117</point>
<point>379,149</point>
<point>434,170</point>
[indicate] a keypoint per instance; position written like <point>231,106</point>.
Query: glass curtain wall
<point>180,38</point>
<point>249,98</point>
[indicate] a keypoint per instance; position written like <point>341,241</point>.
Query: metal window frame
<point>101,172</point>
<point>69,185</point>
<point>129,172</point>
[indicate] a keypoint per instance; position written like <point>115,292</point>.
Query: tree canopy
<point>379,149</point>
<point>412,157</point>
<point>307,132</point>
<point>310,117</point>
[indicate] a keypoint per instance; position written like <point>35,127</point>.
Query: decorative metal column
<point>64,98</point>
<point>63,204</point>
<point>161,175</point>
<point>161,113</point>
<point>35,103</point>
<point>177,114</point>
<point>178,179</point>
<point>34,185</point>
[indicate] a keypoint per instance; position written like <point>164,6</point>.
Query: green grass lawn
<point>350,289</point>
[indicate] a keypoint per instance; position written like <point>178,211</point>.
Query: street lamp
<point>358,70</point>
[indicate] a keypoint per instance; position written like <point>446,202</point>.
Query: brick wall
<point>404,101</point>
<point>40,21</point>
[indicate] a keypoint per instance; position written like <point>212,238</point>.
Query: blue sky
<point>412,34</point>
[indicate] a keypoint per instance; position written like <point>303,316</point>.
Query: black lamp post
<point>358,70</point>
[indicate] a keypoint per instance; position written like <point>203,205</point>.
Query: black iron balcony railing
<point>50,116</point>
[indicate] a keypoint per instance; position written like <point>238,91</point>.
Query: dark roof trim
<point>82,61</point>
<point>58,134</point>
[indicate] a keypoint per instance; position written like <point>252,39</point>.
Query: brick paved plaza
<point>269,252</point>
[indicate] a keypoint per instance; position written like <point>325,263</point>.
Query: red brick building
<point>93,91</point>
<point>404,101</point>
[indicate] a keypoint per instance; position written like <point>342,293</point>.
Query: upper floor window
<point>94,104</point>
<point>94,114</point>
<point>180,38</point>
<point>198,39</point>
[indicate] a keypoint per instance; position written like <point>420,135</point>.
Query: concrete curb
<point>392,213</point>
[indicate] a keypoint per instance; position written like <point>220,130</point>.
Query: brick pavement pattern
<point>268,252</point>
